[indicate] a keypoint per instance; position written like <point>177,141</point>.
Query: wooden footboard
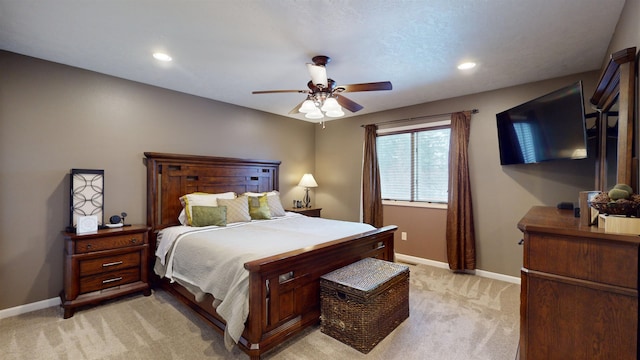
<point>284,295</point>
<point>284,290</point>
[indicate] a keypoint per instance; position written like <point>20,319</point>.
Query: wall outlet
<point>403,235</point>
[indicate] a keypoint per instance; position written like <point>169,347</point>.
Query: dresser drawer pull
<point>112,263</point>
<point>111,280</point>
<point>134,240</point>
<point>88,246</point>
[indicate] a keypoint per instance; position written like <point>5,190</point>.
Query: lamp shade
<point>307,106</point>
<point>308,181</point>
<point>335,113</point>
<point>330,104</point>
<point>315,114</point>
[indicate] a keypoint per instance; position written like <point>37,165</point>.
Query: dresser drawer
<point>107,243</point>
<point>109,279</point>
<point>598,260</point>
<point>109,263</point>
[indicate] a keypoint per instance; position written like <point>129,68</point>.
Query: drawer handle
<point>111,280</point>
<point>112,263</point>
<point>134,240</point>
<point>88,246</point>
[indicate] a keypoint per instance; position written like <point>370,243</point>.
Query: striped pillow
<point>237,209</point>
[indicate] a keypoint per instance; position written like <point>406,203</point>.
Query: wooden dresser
<point>104,265</point>
<point>579,293</point>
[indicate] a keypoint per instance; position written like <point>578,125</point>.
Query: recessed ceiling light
<point>467,66</point>
<point>161,56</point>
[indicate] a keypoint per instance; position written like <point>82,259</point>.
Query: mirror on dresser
<point>610,118</point>
<point>614,100</point>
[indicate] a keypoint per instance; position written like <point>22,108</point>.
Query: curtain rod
<point>474,111</point>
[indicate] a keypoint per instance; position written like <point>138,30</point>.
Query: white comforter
<point>211,260</point>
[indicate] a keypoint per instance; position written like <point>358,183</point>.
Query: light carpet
<point>452,317</point>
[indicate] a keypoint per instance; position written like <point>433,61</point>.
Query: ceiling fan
<point>324,95</point>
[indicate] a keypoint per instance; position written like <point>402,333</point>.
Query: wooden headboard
<point>169,176</point>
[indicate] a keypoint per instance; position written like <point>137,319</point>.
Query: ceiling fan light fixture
<point>323,93</point>
<point>335,113</point>
<point>316,114</point>
<point>330,104</point>
<point>307,106</point>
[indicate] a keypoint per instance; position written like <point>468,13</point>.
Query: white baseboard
<point>490,275</point>
<point>23,309</point>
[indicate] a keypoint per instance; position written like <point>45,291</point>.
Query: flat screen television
<point>551,127</point>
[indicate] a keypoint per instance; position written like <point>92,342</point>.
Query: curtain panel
<point>371,188</point>
<point>460,232</point>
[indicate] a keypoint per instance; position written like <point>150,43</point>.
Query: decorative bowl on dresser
<point>104,265</point>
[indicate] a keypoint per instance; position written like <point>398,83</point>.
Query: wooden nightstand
<point>313,212</point>
<point>104,265</point>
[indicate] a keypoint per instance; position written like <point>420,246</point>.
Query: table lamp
<point>307,182</point>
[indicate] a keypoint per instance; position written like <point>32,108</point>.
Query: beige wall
<point>424,228</point>
<point>501,194</point>
<point>627,32</point>
<point>54,118</point>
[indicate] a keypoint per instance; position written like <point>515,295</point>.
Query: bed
<point>283,288</point>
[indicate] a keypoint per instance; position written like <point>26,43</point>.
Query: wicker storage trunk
<point>363,302</point>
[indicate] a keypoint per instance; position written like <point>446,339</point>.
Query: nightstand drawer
<point>107,243</point>
<point>110,279</point>
<point>109,263</point>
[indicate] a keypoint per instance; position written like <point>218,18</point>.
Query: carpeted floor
<point>452,316</point>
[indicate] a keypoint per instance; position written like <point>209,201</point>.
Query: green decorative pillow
<point>273,200</point>
<point>209,215</point>
<point>237,209</point>
<point>201,199</point>
<point>259,207</point>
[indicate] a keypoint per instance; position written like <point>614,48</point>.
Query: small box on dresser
<point>363,302</point>
<point>104,265</point>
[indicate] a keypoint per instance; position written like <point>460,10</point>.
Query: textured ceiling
<point>224,49</point>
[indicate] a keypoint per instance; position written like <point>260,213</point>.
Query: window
<point>414,162</point>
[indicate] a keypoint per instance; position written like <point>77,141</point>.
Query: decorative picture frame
<point>87,225</point>
<point>86,196</point>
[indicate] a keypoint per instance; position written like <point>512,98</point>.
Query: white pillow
<point>201,199</point>
<point>183,217</point>
<point>269,193</point>
<point>273,201</point>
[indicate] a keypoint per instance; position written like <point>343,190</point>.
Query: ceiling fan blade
<point>348,104</point>
<point>318,74</point>
<point>280,91</point>
<point>374,86</point>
